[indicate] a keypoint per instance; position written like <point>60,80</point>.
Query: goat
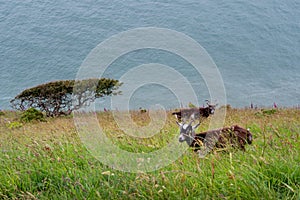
<point>219,138</point>
<point>195,113</point>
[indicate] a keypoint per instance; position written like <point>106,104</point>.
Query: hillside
<point>43,160</point>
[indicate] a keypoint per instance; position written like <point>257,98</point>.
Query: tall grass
<point>46,160</point>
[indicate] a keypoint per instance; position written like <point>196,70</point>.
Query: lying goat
<point>220,138</point>
<point>195,113</point>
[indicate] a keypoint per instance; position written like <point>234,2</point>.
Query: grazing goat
<point>220,138</point>
<point>195,113</point>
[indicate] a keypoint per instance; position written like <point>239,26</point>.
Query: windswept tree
<point>62,97</point>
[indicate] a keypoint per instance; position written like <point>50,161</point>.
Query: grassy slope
<point>46,160</point>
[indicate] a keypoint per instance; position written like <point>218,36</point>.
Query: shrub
<point>266,112</point>
<point>32,114</point>
<point>269,112</point>
<point>191,105</point>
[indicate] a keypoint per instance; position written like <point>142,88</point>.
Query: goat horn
<point>207,102</point>
<point>210,104</point>
<point>191,122</point>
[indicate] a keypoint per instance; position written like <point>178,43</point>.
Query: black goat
<point>195,113</point>
<point>234,136</point>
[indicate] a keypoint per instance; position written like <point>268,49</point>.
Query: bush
<point>32,114</point>
<point>191,105</point>
<point>1,113</point>
<point>269,112</point>
<point>265,112</point>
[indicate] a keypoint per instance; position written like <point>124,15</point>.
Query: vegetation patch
<point>267,112</point>
<point>14,125</point>
<point>32,114</point>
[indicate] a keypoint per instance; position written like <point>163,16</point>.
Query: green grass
<point>46,160</point>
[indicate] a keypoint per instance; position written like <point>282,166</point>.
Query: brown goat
<point>234,136</point>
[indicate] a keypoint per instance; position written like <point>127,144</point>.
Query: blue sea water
<point>255,44</point>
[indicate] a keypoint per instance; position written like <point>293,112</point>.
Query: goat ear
<point>195,126</point>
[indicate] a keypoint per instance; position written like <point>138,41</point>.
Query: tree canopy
<point>62,97</point>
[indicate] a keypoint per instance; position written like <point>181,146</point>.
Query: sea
<point>254,44</point>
